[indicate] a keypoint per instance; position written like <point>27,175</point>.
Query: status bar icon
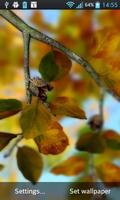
<point>97,4</point>
<point>70,4</point>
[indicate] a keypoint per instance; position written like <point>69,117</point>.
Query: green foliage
<point>48,68</point>
<point>30,163</point>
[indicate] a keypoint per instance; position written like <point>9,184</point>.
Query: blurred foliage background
<point>94,35</point>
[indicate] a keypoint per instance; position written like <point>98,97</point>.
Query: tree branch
<point>26,39</point>
<point>18,139</point>
<point>101,104</point>
<point>22,26</point>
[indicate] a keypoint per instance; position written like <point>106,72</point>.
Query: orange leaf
<point>63,62</point>
<point>67,107</point>
<point>109,172</point>
<point>70,167</point>
<point>112,139</point>
<point>53,141</point>
<point>111,134</point>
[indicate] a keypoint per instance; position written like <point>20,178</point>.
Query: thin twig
<point>26,41</point>
<point>101,104</point>
<point>22,26</point>
<point>19,138</point>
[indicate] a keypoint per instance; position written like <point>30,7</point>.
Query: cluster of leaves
<point>98,44</point>
<point>38,120</point>
<point>101,145</point>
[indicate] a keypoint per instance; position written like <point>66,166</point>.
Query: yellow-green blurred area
<point>94,35</point>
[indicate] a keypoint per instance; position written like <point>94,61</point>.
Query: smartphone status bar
<point>60,4</point>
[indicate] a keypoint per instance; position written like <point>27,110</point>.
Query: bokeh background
<point>93,35</point>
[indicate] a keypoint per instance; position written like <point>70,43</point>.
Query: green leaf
<point>48,67</point>
<point>66,107</point>
<point>34,120</point>
<point>54,65</point>
<point>91,142</point>
<point>9,107</point>
<point>1,167</point>
<point>29,163</point>
<point>5,138</point>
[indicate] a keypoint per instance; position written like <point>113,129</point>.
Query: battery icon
<point>97,5</point>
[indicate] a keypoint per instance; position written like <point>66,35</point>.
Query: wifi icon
<point>70,4</point>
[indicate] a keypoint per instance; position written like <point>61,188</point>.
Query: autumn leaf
<point>54,65</point>
<point>109,172</point>
<point>90,142</point>
<point>112,139</point>
<point>66,107</point>
<point>53,141</point>
<point>107,41</point>
<point>5,138</point>
<point>70,167</point>
<point>29,163</point>
<point>35,119</point>
<point>9,107</point>
<point>1,167</point>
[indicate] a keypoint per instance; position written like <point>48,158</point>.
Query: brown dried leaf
<point>9,107</point>
<point>5,138</point>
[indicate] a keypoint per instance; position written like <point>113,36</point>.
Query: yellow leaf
<point>53,141</point>
<point>35,119</point>
<point>67,107</point>
<point>70,167</point>
<point>107,42</point>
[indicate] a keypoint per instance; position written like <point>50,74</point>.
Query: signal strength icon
<point>70,4</point>
<point>80,5</point>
